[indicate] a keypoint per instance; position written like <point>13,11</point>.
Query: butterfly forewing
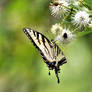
<point>41,42</point>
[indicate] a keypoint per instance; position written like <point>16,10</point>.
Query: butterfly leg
<point>56,72</point>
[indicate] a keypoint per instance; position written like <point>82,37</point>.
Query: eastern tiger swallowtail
<point>50,52</point>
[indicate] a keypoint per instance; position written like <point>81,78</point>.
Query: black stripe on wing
<point>62,61</point>
<point>58,51</point>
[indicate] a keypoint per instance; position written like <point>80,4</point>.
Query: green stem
<point>76,29</point>
<point>84,4</point>
<point>65,18</point>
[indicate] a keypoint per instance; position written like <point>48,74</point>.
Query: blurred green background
<point>21,66</point>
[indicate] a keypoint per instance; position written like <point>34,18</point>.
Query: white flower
<point>65,37</point>
<point>56,28</point>
<point>81,18</point>
<point>58,8</point>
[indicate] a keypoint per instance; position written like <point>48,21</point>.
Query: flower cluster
<point>58,8</point>
<point>75,13</point>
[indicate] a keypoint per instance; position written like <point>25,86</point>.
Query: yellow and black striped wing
<point>41,43</point>
<point>49,51</point>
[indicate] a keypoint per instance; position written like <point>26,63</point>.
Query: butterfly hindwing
<point>58,54</point>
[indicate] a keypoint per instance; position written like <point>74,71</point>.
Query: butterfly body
<point>50,52</point>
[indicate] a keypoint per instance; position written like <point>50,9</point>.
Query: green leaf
<point>80,34</point>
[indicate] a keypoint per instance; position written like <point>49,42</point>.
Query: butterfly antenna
<point>56,72</point>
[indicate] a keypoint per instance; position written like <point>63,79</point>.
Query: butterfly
<point>50,52</point>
